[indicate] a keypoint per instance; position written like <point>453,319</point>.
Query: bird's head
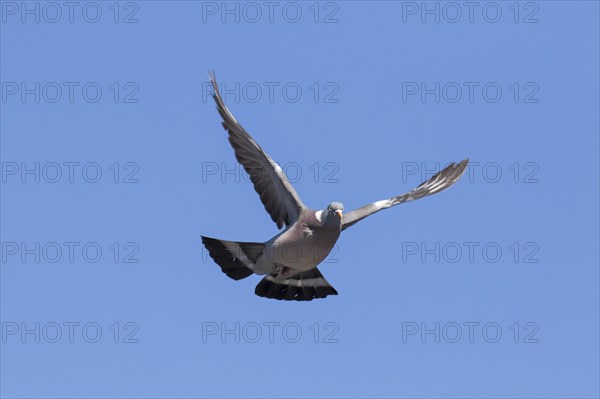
<point>334,210</point>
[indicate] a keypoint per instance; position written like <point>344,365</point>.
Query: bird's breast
<point>304,248</point>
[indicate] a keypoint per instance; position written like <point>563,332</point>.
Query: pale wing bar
<point>439,182</point>
<point>276,193</point>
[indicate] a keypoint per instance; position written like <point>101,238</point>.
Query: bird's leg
<point>282,272</point>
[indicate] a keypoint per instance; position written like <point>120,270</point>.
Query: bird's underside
<point>289,260</point>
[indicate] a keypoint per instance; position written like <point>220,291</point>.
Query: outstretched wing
<point>275,191</point>
<point>439,182</point>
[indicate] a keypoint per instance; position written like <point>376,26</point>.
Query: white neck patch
<point>319,215</point>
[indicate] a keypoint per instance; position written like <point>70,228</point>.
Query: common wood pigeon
<point>289,260</point>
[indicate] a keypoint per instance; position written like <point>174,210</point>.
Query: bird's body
<point>284,254</point>
<point>289,260</point>
<point>318,238</point>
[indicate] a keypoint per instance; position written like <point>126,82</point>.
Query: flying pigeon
<point>289,260</point>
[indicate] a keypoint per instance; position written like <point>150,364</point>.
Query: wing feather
<point>276,193</point>
<point>439,182</point>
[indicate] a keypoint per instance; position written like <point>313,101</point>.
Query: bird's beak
<point>339,212</point>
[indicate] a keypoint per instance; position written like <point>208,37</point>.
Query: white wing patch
<point>382,204</point>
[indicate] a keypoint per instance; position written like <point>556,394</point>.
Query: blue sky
<point>114,163</point>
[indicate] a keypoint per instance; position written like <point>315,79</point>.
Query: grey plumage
<point>289,260</point>
<point>231,256</point>
<point>439,182</point>
<point>276,193</point>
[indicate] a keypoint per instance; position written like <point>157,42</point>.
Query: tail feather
<point>236,259</point>
<point>304,286</point>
